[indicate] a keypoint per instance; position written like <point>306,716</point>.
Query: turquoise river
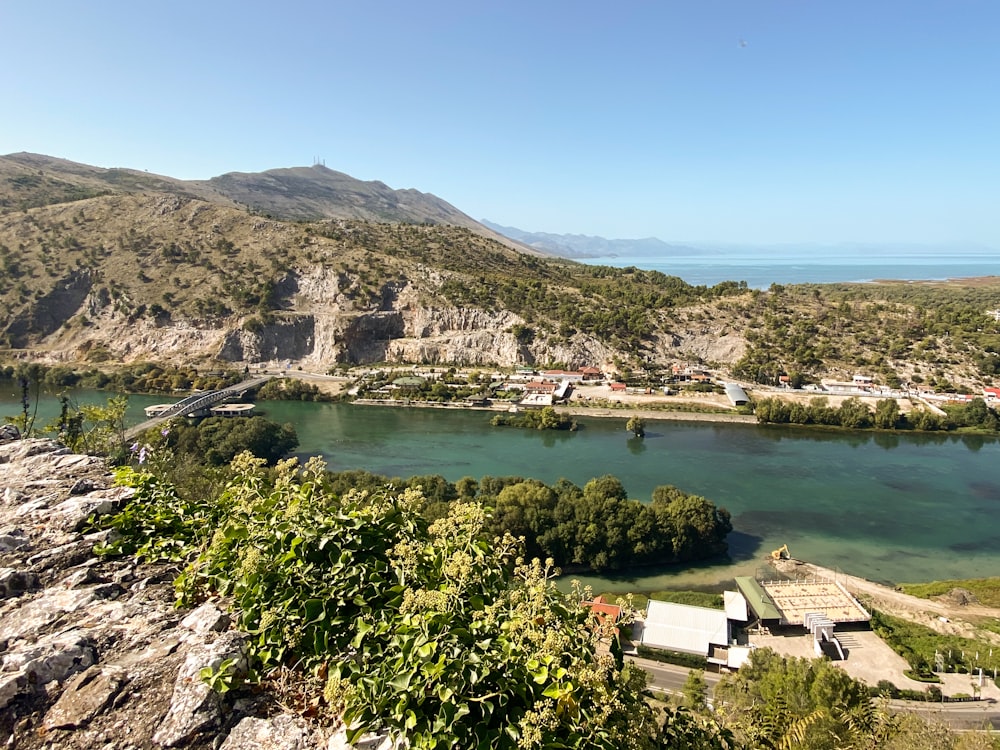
<point>889,507</point>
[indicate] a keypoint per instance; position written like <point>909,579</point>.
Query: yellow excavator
<point>781,553</point>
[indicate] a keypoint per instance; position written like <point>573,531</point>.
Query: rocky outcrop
<point>93,653</point>
<point>287,339</point>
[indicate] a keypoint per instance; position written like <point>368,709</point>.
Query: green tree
<point>695,690</point>
<point>800,704</point>
<point>887,414</point>
<point>525,510</point>
<point>96,429</point>
<point>435,633</point>
<point>29,382</point>
<point>637,426</point>
<point>924,419</point>
<point>217,440</point>
<point>854,413</point>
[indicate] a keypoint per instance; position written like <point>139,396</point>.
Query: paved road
<point>972,715</point>
<point>669,677</point>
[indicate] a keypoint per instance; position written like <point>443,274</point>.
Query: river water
<point>888,507</point>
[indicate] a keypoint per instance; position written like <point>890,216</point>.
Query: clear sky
<point>750,121</point>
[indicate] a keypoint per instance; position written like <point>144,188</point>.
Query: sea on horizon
<point>760,269</point>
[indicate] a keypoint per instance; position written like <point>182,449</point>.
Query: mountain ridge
<point>117,266</point>
<point>288,193</point>
<point>592,246</point>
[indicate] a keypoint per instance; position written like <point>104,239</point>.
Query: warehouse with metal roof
<point>737,396</point>
<point>688,629</point>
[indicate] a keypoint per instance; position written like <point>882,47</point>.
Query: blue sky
<point>748,121</point>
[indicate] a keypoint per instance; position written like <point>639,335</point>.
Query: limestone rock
<point>13,539</point>
<point>34,616</point>
<point>206,619</point>
<point>52,658</point>
<point>283,732</point>
<point>194,706</point>
<point>93,652</point>
<point>16,582</point>
<point>74,511</point>
<point>338,741</point>
<point>85,696</point>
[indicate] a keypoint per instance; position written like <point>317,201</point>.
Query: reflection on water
<point>896,507</point>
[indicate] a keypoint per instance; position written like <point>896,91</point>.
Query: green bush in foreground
<point>437,632</point>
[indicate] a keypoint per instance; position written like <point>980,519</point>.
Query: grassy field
<point>919,644</point>
<point>986,590</point>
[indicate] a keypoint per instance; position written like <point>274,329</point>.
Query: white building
<point>688,629</point>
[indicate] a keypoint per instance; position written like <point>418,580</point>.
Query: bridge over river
<point>198,402</point>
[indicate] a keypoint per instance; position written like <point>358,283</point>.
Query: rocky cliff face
<point>93,653</point>
<point>170,278</point>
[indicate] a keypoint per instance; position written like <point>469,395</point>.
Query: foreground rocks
<point>93,653</point>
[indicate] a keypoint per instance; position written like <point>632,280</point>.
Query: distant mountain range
<point>581,246</point>
<point>586,246</point>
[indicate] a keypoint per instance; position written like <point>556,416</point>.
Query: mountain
<point>313,193</point>
<point>116,265</point>
<point>294,194</point>
<point>586,246</point>
<point>104,266</point>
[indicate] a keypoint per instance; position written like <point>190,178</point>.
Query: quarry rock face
<point>93,652</point>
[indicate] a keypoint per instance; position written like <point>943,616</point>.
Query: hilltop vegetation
<point>101,266</point>
<point>934,333</point>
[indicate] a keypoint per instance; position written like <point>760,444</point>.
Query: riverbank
<point>590,401</point>
<point>574,410</point>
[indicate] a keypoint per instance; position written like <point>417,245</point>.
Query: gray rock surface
<point>283,732</point>
<point>93,653</point>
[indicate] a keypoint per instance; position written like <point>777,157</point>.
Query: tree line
<point>854,413</point>
<point>596,527</point>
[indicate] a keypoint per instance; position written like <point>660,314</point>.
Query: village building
<point>605,614</point>
<point>571,375</point>
<point>736,395</point>
<point>540,386</point>
<point>233,410</point>
<point>816,605</point>
<point>700,631</point>
<point>864,382</point>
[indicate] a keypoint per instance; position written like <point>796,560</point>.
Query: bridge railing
<point>197,402</point>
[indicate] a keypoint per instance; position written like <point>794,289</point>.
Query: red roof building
<point>605,613</point>
<point>537,386</point>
